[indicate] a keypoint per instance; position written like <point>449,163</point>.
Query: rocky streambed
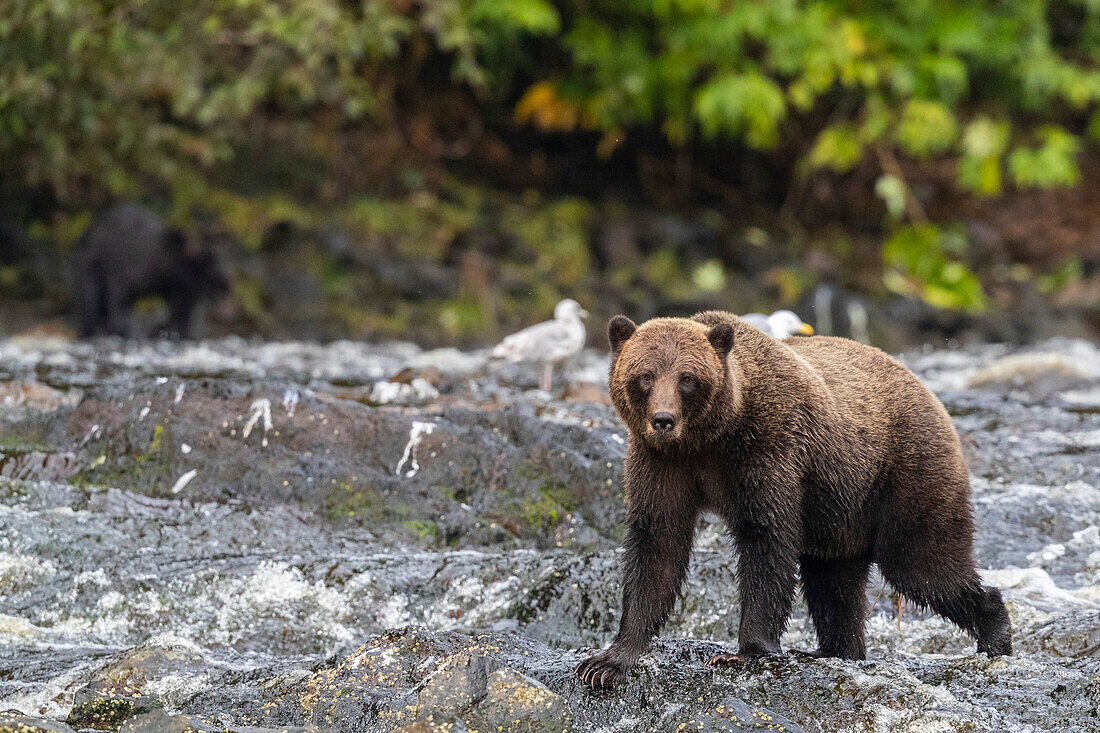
<point>238,536</point>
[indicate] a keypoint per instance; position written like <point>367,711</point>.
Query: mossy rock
<point>105,707</point>
<point>116,693</point>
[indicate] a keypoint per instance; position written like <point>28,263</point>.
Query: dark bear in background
<point>129,253</point>
<point>821,454</point>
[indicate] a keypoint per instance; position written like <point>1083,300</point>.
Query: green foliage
<point>984,141</point>
<point>258,111</point>
<point>747,105</point>
<point>893,192</point>
<point>555,237</point>
<point>1060,278</point>
<point>926,262</point>
<point>1052,163</point>
<point>110,96</point>
<point>536,17</point>
<point>926,128</point>
<point>709,276</point>
<point>101,99</point>
<point>837,148</point>
<point>749,72</point>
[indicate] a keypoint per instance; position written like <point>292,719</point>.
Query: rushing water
<point>256,578</point>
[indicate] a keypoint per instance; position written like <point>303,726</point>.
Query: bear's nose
<point>663,422</point>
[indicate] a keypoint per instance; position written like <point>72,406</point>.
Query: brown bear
<point>821,454</point>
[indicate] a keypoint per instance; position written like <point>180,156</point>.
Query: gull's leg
<point>547,377</point>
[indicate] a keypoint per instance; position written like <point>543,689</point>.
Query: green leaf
<point>985,138</point>
<point>942,77</point>
<point>536,17</point>
<point>837,148</point>
<point>742,105</point>
<point>892,190</point>
<point>921,261</point>
<point>926,128</point>
<point>1051,164</point>
<point>984,142</point>
<point>709,277</point>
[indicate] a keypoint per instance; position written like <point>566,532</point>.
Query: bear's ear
<point>619,329</point>
<point>721,338</point>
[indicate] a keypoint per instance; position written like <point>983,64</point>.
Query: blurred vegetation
<point>498,138</point>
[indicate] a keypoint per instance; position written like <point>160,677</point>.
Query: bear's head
<point>667,376</point>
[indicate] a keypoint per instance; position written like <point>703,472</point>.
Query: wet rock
<point>574,533</point>
<point>432,375</point>
<point>431,725</point>
<point>158,721</point>
<point>734,716</point>
<point>1074,634</point>
<point>673,689</point>
<point>478,692</point>
<point>457,686</point>
<point>1046,371</point>
<point>475,468</point>
<point>586,392</point>
<point>106,706</point>
<point>282,578</point>
<point>417,391</point>
<point>516,702</point>
<point>124,688</point>
<point>13,721</point>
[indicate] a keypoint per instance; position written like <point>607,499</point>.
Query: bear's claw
<point>727,660</point>
<point>601,671</point>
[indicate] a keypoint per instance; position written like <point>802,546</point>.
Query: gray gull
<point>549,342</point>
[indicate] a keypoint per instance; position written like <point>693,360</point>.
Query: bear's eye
<point>645,382</point>
<point>688,383</point>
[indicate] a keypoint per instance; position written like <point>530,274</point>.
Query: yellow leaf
<point>542,106</point>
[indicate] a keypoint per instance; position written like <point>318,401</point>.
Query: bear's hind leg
<point>925,543</point>
<point>957,594</point>
<point>835,594</point>
<point>994,627</point>
<point>972,607</point>
<point>979,610</point>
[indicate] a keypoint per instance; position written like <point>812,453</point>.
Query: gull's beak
<point>806,329</point>
<point>583,313</point>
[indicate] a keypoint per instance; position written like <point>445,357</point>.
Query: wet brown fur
<point>823,455</point>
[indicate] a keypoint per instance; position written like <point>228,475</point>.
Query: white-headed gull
<point>780,324</point>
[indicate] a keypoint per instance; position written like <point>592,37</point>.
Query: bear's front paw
<point>602,670</point>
